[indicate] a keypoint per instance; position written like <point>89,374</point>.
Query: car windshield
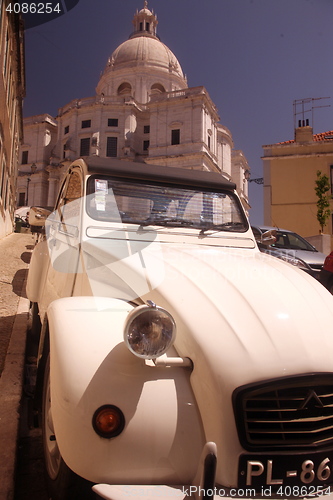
<point>152,204</point>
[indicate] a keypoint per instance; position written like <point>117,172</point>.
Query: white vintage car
<point>175,359</point>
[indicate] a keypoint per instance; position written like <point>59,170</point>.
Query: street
<point>29,475</point>
<point>21,465</point>
<point>15,257</point>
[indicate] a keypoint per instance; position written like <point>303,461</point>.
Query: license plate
<point>309,473</point>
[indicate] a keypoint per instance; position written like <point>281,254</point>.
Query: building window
<point>21,200</point>
<point>124,89</point>
<point>6,50</point>
<point>157,88</point>
<point>111,147</point>
<point>175,136</point>
<point>331,179</point>
<point>112,122</point>
<point>25,157</point>
<point>66,130</point>
<point>85,147</point>
<point>145,145</point>
<point>208,141</point>
<point>3,181</point>
<point>10,84</point>
<point>146,129</point>
<point>86,124</point>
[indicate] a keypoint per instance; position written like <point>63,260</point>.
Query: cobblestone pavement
<point>21,458</point>
<point>15,253</point>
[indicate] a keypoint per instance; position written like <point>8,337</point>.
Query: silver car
<point>293,245</point>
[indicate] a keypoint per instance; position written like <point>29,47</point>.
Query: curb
<point>11,384</point>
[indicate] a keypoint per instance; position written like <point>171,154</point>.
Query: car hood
<point>242,308</point>
<point>314,259</point>
<point>242,317</point>
<point>237,306</point>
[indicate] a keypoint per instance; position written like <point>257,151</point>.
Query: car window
<point>68,209</point>
<point>257,234</point>
<point>281,240</point>
<point>292,241</point>
<point>143,203</point>
<point>298,243</point>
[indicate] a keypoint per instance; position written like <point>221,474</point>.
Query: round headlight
<point>149,331</point>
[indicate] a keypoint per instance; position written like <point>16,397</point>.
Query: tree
<point>323,204</point>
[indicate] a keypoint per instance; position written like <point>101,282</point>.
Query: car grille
<point>290,413</point>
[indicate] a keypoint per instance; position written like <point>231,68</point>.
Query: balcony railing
<point>89,101</point>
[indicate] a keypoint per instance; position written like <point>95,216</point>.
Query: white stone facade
<point>40,137</point>
<point>143,110</point>
<point>12,91</point>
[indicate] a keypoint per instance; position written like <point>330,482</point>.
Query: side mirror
<point>38,216</point>
<point>268,237</point>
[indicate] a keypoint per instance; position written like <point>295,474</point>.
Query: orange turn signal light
<point>108,421</point>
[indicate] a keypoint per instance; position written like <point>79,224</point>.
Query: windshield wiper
<point>166,221</point>
<point>227,226</point>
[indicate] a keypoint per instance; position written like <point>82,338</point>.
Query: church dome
<point>145,9</point>
<point>143,56</point>
<point>145,51</point>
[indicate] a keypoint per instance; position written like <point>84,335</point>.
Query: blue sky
<point>255,57</point>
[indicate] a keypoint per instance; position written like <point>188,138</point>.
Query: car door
<point>63,237</point>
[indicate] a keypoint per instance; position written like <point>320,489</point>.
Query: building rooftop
<point>323,136</point>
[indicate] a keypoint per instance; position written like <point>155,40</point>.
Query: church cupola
<point>141,66</point>
<point>145,22</point>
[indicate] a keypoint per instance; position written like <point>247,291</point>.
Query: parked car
<point>266,239</point>
<point>326,274</point>
<point>22,212</point>
<point>21,216</point>
<point>19,223</point>
<point>293,245</point>
<point>174,358</point>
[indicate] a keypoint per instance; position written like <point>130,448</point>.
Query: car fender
<point>37,271</point>
<point>90,366</point>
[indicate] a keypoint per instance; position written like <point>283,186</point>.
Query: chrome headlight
<point>149,331</point>
<point>295,261</point>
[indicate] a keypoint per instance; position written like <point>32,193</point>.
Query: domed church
<point>143,111</point>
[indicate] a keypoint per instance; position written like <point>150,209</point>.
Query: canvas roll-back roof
<point>163,175</point>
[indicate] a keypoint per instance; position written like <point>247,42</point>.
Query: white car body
<point>247,323</point>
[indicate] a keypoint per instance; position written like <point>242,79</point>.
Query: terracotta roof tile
<point>323,136</point>
<point>287,142</point>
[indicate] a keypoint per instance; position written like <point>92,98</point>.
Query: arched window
<point>157,88</point>
<point>125,89</point>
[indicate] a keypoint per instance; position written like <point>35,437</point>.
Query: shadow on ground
<point>30,475</point>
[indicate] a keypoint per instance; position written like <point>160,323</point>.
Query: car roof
<point>269,228</point>
<point>157,173</point>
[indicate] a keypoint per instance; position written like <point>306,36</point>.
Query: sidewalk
<point>15,252</point>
